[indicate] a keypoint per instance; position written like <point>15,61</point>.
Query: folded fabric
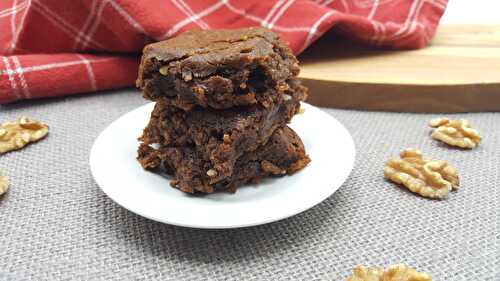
<point>52,48</point>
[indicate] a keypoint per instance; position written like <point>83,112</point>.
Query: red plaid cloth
<point>52,48</point>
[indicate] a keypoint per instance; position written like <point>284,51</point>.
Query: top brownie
<point>217,68</point>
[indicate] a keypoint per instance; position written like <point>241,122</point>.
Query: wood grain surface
<point>458,72</point>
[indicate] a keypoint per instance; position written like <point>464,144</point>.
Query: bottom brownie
<point>283,154</point>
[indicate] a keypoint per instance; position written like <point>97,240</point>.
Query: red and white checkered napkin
<point>52,48</point>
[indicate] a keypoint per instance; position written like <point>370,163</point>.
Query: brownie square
<point>283,154</point>
<point>217,69</point>
<point>220,136</point>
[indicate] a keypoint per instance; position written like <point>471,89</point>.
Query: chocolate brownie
<point>220,136</point>
<point>283,154</point>
<point>217,68</point>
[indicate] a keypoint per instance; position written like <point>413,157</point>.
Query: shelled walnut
<point>4,184</point>
<point>16,135</point>
<point>455,132</point>
<point>398,272</point>
<point>361,273</point>
<point>427,177</point>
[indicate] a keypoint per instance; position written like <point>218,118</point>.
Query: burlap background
<point>56,224</point>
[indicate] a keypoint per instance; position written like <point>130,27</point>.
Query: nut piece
<point>455,132</point>
<point>361,273</point>
<point>163,70</point>
<point>16,135</point>
<point>401,272</point>
<point>283,87</point>
<point>226,138</point>
<point>4,184</point>
<point>398,272</point>
<point>427,177</point>
<point>269,167</point>
<point>211,173</point>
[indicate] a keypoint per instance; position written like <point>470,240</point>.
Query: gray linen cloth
<point>56,224</point>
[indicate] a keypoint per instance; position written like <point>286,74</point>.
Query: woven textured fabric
<point>45,44</point>
<point>56,224</point>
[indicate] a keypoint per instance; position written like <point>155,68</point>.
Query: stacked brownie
<point>223,99</point>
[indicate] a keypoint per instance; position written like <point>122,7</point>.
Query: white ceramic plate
<point>116,171</point>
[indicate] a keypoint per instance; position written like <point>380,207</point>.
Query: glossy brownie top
<point>217,68</point>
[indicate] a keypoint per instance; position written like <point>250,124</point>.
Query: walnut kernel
<point>361,273</point>
<point>4,184</point>
<point>226,138</point>
<point>164,70</point>
<point>199,91</point>
<point>16,135</point>
<point>398,272</point>
<point>269,167</point>
<point>211,173</point>
<point>283,87</point>
<point>427,177</point>
<point>401,272</point>
<point>455,132</point>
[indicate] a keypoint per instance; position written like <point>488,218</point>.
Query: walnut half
<point>398,272</point>
<point>361,273</point>
<point>16,135</point>
<point>455,132</point>
<point>427,177</point>
<point>4,184</point>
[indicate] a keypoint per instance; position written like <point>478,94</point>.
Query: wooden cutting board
<point>458,72</point>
